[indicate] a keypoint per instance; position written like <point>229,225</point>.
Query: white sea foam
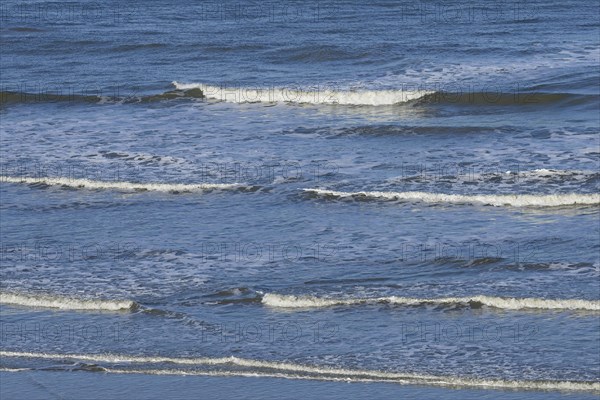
<point>554,172</point>
<point>129,186</point>
<point>290,301</point>
<point>543,173</point>
<point>65,303</point>
<point>260,368</point>
<point>310,96</point>
<point>14,369</point>
<point>498,200</point>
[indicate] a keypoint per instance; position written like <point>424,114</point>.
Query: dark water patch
<point>244,300</point>
<point>393,130</point>
<point>25,29</point>
<point>133,47</point>
<point>229,292</point>
<point>88,367</point>
<point>344,281</point>
<point>12,97</point>
<point>315,53</point>
<point>557,266</point>
<point>483,261</point>
<point>491,98</point>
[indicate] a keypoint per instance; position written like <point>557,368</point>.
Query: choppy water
<point>387,192</point>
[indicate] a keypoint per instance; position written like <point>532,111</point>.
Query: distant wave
<point>129,186</point>
<point>497,200</point>
<point>66,303</point>
<point>309,96</point>
<point>258,368</point>
<point>506,303</point>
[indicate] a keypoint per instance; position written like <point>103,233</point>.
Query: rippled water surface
<point>394,192</point>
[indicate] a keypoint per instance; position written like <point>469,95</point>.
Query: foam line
<point>129,186</point>
<point>497,200</point>
<point>305,96</point>
<point>507,303</point>
<point>66,303</point>
<point>298,371</point>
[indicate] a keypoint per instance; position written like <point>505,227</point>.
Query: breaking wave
<point>497,200</point>
<point>128,186</point>
<point>298,94</point>
<point>506,303</point>
<point>66,303</point>
<point>233,366</point>
<point>308,96</point>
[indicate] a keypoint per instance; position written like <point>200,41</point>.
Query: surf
<point>66,303</point>
<point>309,95</point>
<point>234,366</point>
<point>496,200</point>
<point>78,183</point>
<point>507,303</point>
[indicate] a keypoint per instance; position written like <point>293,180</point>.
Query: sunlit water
<point>155,217</point>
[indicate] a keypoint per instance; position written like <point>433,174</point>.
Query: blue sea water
<point>401,195</point>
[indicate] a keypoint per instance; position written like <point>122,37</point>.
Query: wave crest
<point>66,303</point>
<point>119,185</point>
<point>507,303</point>
<point>259,368</point>
<point>301,96</point>
<point>497,200</point>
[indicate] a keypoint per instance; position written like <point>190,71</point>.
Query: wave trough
<point>496,200</point>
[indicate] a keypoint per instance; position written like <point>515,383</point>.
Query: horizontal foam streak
<point>290,301</point>
<point>66,303</point>
<point>118,185</point>
<point>298,371</point>
<point>309,96</point>
<point>497,200</point>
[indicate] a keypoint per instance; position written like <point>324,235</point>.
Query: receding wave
<point>118,185</point>
<point>506,303</point>
<point>305,96</point>
<point>497,200</point>
<point>233,366</point>
<point>66,303</point>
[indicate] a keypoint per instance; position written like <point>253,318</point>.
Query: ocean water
<point>287,199</point>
